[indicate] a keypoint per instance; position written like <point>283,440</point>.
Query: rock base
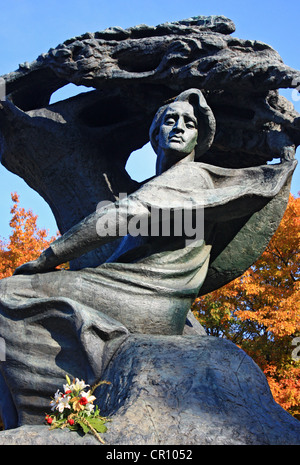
<point>179,390</point>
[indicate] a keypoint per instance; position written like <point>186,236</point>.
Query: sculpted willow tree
<point>215,116</point>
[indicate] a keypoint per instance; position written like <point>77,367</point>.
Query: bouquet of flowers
<point>75,410</point>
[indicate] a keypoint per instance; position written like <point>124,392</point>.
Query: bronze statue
<point>190,229</point>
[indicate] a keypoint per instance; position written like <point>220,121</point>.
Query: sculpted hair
<point>205,118</point>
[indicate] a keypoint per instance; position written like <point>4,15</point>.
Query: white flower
<point>88,396</point>
<point>55,401</point>
<point>63,403</point>
<point>60,401</point>
<point>88,401</point>
<point>89,408</point>
<point>67,387</point>
<point>76,386</point>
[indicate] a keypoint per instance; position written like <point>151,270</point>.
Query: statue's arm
<point>248,194</point>
<point>106,224</point>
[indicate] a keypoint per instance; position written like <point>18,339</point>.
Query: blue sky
<point>30,27</point>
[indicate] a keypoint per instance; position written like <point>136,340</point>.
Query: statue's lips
<point>175,139</point>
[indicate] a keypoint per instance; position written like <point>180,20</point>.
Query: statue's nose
<point>179,125</point>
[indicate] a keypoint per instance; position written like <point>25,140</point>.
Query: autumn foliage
<point>26,241</point>
<point>260,311</point>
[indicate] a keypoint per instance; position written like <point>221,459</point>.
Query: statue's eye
<point>190,124</point>
<point>169,121</point>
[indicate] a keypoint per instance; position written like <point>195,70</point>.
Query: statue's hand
<point>28,268</point>
<point>40,265</point>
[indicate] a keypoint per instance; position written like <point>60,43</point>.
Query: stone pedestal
<point>180,390</point>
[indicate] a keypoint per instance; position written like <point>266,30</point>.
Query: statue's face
<point>178,132</point>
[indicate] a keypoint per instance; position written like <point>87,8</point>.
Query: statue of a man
<point>69,320</point>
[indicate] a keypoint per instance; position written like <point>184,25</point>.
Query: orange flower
<point>77,404</point>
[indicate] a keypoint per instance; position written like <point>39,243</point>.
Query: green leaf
<point>98,424</point>
<point>74,427</point>
<point>57,424</point>
<point>68,380</point>
<point>84,427</point>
